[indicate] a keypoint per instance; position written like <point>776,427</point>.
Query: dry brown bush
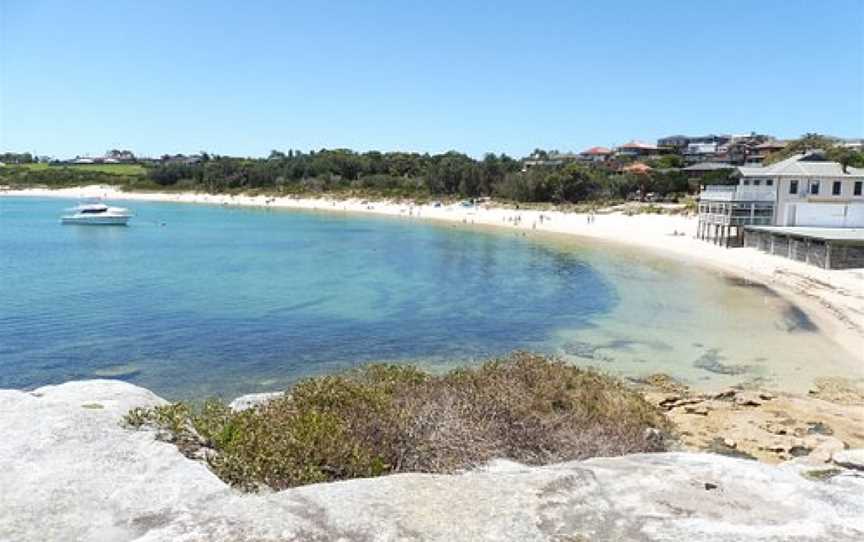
<point>388,418</point>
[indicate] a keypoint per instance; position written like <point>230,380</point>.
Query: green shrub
<point>386,418</point>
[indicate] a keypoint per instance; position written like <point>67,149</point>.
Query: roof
<point>849,235</point>
<point>637,145</point>
<point>638,167</point>
<point>597,150</point>
<point>772,145</point>
<point>707,166</point>
<point>796,166</point>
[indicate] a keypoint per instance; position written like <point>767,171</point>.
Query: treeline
<point>833,151</point>
<point>16,158</point>
<point>450,174</point>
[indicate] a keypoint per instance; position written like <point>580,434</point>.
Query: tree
<point>573,184</point>
<point>846,156</point>
<point>807,142</point>
<point>540,154</point>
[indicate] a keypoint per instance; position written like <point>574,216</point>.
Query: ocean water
<point>195,300</point>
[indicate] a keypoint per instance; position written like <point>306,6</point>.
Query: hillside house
<point>596,154</point>
<point>637,149</point>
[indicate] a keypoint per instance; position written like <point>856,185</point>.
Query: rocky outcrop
<point>769,426</point>
<point>70,471</point>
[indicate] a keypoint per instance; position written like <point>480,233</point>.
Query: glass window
<point>857,190</point>
<point>814,188</point>
<point>769,182</point>
<point>793,187</point>
<point>746,182</point>
<point>757,182</point>
<point>835,190</point>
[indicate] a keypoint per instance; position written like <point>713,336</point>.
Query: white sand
<point>833,299</point>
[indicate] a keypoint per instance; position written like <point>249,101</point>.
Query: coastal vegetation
<point>545,178</point>
<point>833,151</point>
<point>382,419</point>
<point>371,174</point>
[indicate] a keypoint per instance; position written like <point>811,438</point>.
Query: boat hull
<point>95,220</point>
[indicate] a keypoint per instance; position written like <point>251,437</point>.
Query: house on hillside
<point>679,143</point>
<point>637,149</point>
<point>805,207</point>
<point>758,153</point>
<point>596,154</point>
<point>854,144</point>
<point>700,152</point>
<point>674,142</point>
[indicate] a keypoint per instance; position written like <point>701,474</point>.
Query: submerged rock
<point>245,402</point>
<point>711,361</point>
<point>118,371</point>
<point>73,473</point>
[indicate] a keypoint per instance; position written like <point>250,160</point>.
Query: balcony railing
<point>727,220</point>
<point>737,193</point>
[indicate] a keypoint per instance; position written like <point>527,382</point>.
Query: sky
<point>242,78</point>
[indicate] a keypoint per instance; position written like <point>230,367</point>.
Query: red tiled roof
<point>637,167</point>
<point>597,150</point>
<point>637,145</point>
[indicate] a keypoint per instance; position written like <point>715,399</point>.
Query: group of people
<point>515,219</point>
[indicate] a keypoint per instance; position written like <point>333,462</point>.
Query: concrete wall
<point>847,257</point>
<point>809,251</point>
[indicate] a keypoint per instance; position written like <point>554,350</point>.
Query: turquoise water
<point>195,300</point>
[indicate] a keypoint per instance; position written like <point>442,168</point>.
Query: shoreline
<point>834,299</point>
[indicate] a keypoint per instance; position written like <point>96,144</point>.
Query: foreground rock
<point>768,426</point>
<point>71,472</point>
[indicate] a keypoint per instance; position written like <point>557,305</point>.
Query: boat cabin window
<point>814,188</point>
<point>857,190</point>
<point>92,211</point>
<point>835,190</point>
<point>769,182</point>
<point>793,187</point>
<point>757,182</point>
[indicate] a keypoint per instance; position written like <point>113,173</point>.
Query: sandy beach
<point>833,299</point>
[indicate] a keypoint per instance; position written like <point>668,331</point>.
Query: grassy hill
<point>128,176</point>
<point>113,169</point>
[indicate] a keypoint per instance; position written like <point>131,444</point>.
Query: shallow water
<point>195,300</point>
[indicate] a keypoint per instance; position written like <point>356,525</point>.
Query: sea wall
<point>811,251</point>
<point>72,472</point>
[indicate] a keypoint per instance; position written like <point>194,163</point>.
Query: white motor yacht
<point>97,214</point>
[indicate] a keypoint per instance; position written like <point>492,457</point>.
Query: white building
<point>811,191</point>
<point>805,190</point>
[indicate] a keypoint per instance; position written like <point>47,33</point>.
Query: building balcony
<point>737,193</point>
<point>732,220</point>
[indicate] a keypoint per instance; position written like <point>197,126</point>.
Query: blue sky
<point>242,78</point>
